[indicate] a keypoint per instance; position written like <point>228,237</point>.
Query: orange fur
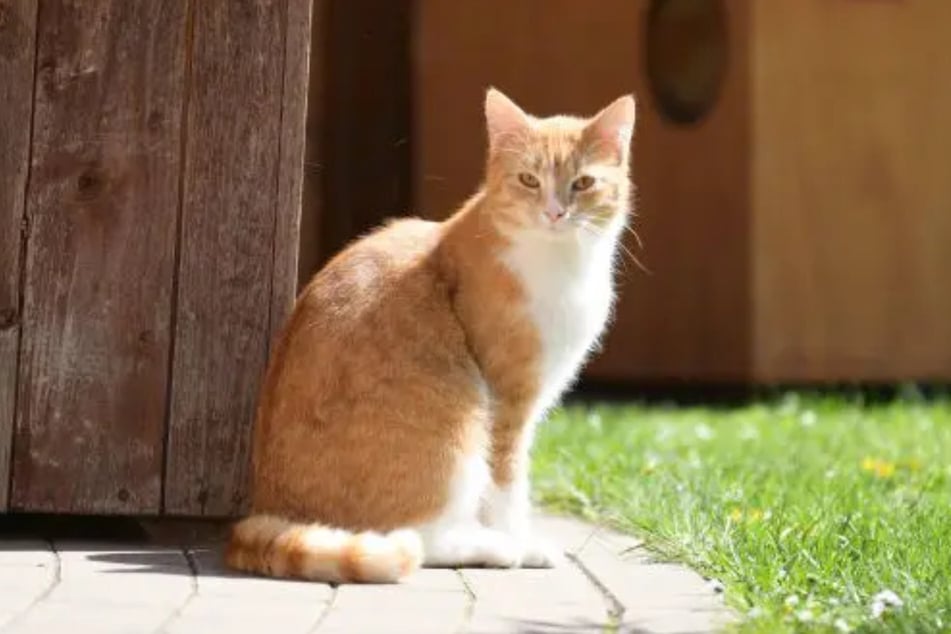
<point>406,353</point>
<point>269,545</point>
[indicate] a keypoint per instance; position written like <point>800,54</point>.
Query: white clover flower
<point>840,625</point>
<point>594,421</point>
<point>808,418</point>
<point>789,404</point>
<point>664,432</point>
<point>804,616</point>
<point>703,431</point>
<point>748,432</point>
<point>884,601</point>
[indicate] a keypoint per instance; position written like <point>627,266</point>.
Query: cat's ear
<point>609,132</point>
<point>503,118</point>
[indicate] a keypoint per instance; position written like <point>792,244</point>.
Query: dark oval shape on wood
<point>90,184</point>
<point>155,121</point>
<point>687,53</point>
<point>8,318</point>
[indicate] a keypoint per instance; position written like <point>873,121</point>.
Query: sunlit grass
<point>815,514</point>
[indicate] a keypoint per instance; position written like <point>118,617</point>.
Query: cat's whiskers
<point>597,231</point>
<point>637,238</point>
<point>607,216</point>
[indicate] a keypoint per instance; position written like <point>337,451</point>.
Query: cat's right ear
<point>503,118</point>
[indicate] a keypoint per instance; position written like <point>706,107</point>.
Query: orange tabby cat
<point>395,421</point>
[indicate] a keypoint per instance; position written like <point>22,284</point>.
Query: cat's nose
<point>554,212</point>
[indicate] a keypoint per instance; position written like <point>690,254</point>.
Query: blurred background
<point>170,172</point>
<point>791,160</point>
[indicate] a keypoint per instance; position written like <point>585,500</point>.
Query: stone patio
<point>608,585</point>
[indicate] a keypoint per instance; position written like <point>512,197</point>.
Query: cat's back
<point>383,261</point>
<point>369,308</point>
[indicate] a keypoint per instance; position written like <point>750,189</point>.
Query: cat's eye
<point>582,183</point>
<point>529,180</point>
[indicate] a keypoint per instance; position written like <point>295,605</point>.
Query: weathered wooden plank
<point>231,184</point>
<point>17,47</point>
<point>102,206</point>
<point>291,167</point>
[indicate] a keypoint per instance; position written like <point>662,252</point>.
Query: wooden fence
<point>150,181</point>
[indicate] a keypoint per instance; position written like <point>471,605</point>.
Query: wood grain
<point>689,318</point>
<point>102,201</point>
<point>287,215</point>
<point>228,231</point>
<point>17,48</point>
<point>852,195</point>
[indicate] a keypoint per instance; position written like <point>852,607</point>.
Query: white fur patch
<point>509,508</point>
<point>456,538</point>
<point>569,283</point>
<point>570,288</point>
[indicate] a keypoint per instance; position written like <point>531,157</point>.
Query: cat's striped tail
<point>276,547</point>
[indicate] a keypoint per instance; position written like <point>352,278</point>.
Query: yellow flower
<point>881,468</point>
<point>751,515</point>
<point>649,467</point>
<point>885,469</point>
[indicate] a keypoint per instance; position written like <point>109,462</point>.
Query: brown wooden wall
<point>798,232</point>
<point>149,204</point>
<point>851,173</point>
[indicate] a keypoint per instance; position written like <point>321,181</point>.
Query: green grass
<point>804,508</point>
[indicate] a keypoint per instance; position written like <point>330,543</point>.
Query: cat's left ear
<point>503,118</point>
<point>609,132</point>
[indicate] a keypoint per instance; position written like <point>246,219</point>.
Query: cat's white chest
<point>570,291</point>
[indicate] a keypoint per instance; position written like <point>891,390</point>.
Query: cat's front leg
<point>508,503</point>
<point>509,511</point>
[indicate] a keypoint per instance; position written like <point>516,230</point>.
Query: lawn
<point>816,514</point>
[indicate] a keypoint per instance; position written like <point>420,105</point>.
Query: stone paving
<point>608,585</point>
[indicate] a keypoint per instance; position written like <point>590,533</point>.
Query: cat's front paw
<point>538,552</point>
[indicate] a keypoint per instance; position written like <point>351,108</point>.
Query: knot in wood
<point>8,318</point>
<point>90,184</point>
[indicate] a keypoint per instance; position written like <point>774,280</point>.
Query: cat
<point>395,420</point>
